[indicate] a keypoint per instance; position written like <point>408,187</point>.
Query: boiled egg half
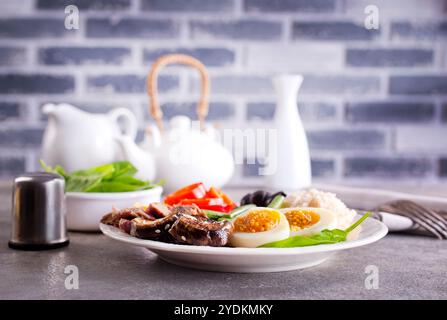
<point>259,226</point>
<point>307,221</point>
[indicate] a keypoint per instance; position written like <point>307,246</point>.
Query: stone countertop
<point>409,268</point>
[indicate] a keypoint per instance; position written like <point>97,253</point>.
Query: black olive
<point>246,199</point>
<point>253,198</point>
<point>260,198</point>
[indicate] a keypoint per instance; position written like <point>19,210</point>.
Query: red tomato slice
<point>216,193</point>
<point>193,191</point>
<point>223,209</point>
<point>196,193</point>
<point>215,204</point>
<point>227,200</point>
<point>213,193</point>
<point>204,202</point>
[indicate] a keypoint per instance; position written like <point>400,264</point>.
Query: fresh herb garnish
<point>112,177</point>
<point>324,237</point>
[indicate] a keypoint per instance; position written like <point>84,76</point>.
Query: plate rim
<point>118,235</point>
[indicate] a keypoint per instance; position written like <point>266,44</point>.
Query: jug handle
<point>130,122</point>
<point>153,132</point>
<point>202,107</point>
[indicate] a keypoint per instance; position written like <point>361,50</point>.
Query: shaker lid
<point>38,177</point>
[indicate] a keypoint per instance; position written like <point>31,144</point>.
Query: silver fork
<point>405,215</point>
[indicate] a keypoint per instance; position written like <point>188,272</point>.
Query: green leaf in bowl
<point>112,177</point>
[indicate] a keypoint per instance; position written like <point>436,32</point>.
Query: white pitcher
<point>292,152</point>
<point>77,140</point>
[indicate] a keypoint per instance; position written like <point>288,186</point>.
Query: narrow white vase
<point>292,152</point>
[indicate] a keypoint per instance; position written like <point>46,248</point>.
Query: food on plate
<point>159,228</point>
<point>216,215</point>
<point>319,199</point>
<point>153,229</point>
<point>260,198</point>
<point>192,210</point>
<point>112,177</point>
<point>309,221</point>
<point>197,194</point>
<point>183,224</point>
<point>193,191</point>
<point>151,212</point>
<point>113,218</point>
<point>195,215</point>
<point>201,231</point>
<point>159,210</point>
<point>324,237</point>
<point>276,202</point>
<point>259,226</point>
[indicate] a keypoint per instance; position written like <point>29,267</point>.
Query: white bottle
<point>292,152</point>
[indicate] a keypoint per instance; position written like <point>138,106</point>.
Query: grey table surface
<point>409,268</point>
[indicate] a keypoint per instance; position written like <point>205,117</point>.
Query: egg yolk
<point>257,221</point>
<point>300,219</point>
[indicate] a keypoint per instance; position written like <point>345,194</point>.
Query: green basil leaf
<point>112,177</point>
<point>57,169</point>
<point>82,183</point>
<point>123,168</point>
<point>324,237</point>
<point>113,186</point>
<point>131,181</point>
<point>298,241</point>
<point>103,171</point>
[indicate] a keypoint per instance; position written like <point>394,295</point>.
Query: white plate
<point>85,209</point>
<point>226,259</point>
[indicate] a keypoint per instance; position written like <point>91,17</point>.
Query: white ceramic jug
<point>77,140</point>
<point>292,152</point>
<point>188,152</point>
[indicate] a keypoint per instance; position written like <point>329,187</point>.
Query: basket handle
<point>152,88</point>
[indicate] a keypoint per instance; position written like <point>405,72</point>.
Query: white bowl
<point>248,260</point>
<point>85,209</point>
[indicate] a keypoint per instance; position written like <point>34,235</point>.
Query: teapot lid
<point>180,123</point>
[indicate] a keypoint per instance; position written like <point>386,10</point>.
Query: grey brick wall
<point>373,102</point>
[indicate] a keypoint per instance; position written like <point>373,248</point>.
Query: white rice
<point>320,199</point>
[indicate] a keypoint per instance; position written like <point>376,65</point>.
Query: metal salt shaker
<point>38,217</point>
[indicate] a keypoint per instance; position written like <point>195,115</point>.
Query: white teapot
<point>185,155</point>
<point>77,140</point>
<point>190,151</point>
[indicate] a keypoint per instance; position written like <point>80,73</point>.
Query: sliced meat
<point>192,210</point>
<point>125,225</point>
<point>201,231</point>
<point>185,224</point>
<point>153,230</point>
<point>159,210</point>
<point>113,218</point>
